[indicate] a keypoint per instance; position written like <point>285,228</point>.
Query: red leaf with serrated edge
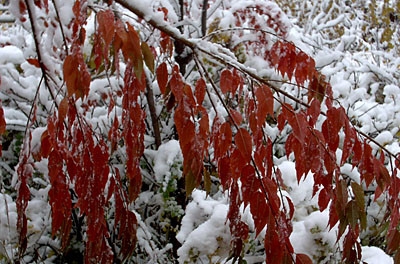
<point>237,81</point>
<point>244,144</point>
<point>319,90</point>
<point>132,50</point>
<point>366,167</point>
<point>275,53</point>
<point>313,112</point>
<point>281,121</point>
<point>70,69</point>
<point>287,59</point>
<point>297,121</point>
<point>238,162</point>
<point>274,249</point>
<point>350,140</point>
<point>106,29</point>
<point>330,128</point>
<point>260,154</point>
<point>200,91</point>
<point>305,68</point>
<point>265,102</point>
<point>273,198</point>
<point>177,84</point>
<point>323,199</point>
<point>34,62</point>
<point>293,145</point>
<point>259,210</point>
<point>250,184</point>
<point>236,116</point>
<point>223,140</point>
<point>76,76</point>
<point>62,109</point>
<point>60,199</point>
<point>162,77</point>
<point>333,216</point>
<point>226,81</point>
<point>303,259</point>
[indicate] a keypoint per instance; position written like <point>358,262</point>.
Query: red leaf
<point>287,59</point>
<point>303,259</point>
<point>381,173</point>
<point>273,198</point>
<point>60,199</point>
<point>162,77</point>
<point>297,121</point>
<point>244,144</point>
<point>34,62</point>
<point>106,28</point>
<point>237,81</point>
<point>226,81</point>
<point>177,84</point>
<point>259,210</point>
<point>132,51</point>
<point>323,199</point>
<point>45,144</point>
<point>225,172</point>
<point>236,116</point>
<point>2,121</point>
<point>223,140</point>
<point>305,68</point>
<point>265,105</point>
<point>275,53</point>
<point>350,140</point>
<point>313,112</point>
<point>76,76</point>
<point>22,7</point>
<point>366,167</point>
<point>200,91</point>
<point>332,125</point>
<point>393,239</point>
<point>250,184</point>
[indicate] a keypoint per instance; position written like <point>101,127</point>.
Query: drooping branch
<point>197,47</point>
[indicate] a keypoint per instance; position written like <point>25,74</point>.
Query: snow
<point>165,157</point>
<point>203,231</point>
<point>358,72</point>
<point>11,54</point>
<point>375,255</point>
<point>312,236</point>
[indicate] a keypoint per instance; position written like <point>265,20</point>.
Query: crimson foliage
<point>79,160</point>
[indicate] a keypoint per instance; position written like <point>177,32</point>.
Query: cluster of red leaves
<point>292,62</point>
<point>80,174</point>
<point>191,122</point>
<point>244,158</point>
<point>264,19</point>
<point>243,153</point>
